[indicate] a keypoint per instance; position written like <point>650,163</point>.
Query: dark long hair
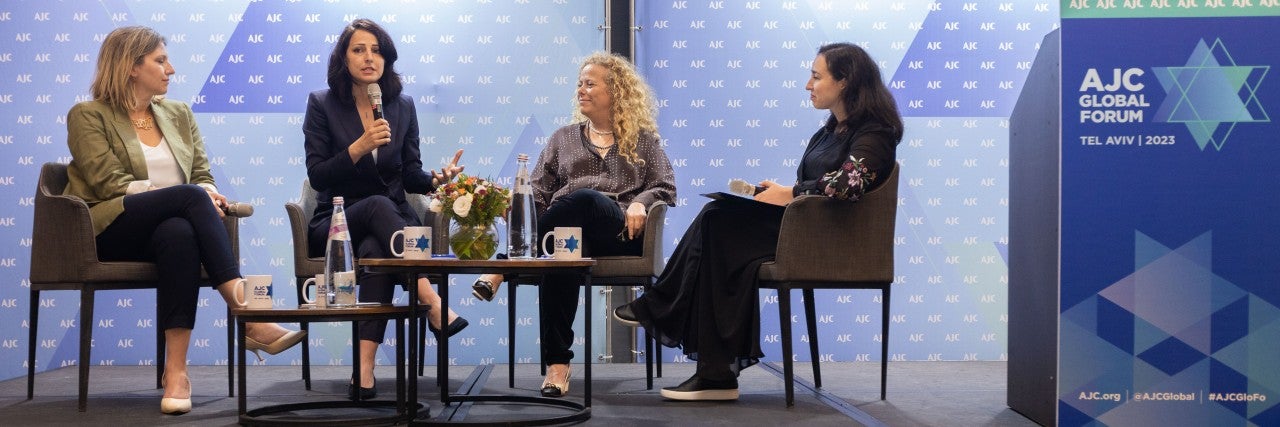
<point>866,100</point>
<point>340,79</point>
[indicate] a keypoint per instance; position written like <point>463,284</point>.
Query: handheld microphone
<point>375,98</point>
<point>239,210</point>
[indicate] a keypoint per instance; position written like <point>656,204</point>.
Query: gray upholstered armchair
<point>306,266</point>
<point>64,256</point>
<point>856,252</point>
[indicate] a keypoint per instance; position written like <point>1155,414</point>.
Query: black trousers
<point>178,229</point>
<point>601,220</point>
<point>370,221</point>
<point>706,299</point>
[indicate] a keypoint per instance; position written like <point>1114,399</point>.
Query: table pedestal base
<point>262,416</point>
<point>577,412</point>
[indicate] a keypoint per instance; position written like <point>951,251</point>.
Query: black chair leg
<point>648,361</point>
<point>784,323</point>
<point>306,344</point>
<point>652,346</point>
<point>231,354</point>
<point>306,354</point>
<point>511,330</point>
<point>422,345</point>
<point>657,348</point>
<point>542,351</point>
<point>657,361</point>
<point>884,340</point>
<point>811,322</point>
<point>32,328</point>
<point>86,341</point>
<point>159,351</point>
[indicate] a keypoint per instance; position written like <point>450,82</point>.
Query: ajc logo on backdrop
<point>1210,95</point>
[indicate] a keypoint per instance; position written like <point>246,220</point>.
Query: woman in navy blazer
<point>370,163</point>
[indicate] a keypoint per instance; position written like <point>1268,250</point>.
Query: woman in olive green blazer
<point>107,155</point>
<point>139,163</point>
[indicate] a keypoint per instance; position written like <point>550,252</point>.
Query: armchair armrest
<point>62,233</point>
<point>653,230</point>
<point>823,239</point>
<point>298,230</point>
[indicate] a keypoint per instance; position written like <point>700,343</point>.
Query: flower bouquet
<point>472,204</point>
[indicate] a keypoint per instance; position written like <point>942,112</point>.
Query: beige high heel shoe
<point>174,405</point>
<point>289,339</point>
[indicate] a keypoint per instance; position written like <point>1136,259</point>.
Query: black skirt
<point>706,300</point>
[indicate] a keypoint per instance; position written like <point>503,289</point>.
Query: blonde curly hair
<point>634,110</point>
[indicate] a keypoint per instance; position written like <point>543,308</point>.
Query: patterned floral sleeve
<point>850,181</point>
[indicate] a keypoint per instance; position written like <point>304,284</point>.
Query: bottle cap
<point>337,200</point>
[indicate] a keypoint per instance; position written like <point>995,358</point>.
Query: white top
<point>162,169</point>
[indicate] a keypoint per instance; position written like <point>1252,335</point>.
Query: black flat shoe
<point>457,325</point>
<point>698,388</point>
<point>625,316</point>
<point>365,393</point>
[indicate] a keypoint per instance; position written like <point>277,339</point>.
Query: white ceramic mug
<point>566,242</point>
<point>318,283</point>
<point>257,292</point>
<point>417,242</point>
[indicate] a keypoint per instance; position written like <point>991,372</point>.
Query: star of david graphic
<point>422,243</point>
<point>571,244</point>
<point>1174,322</point>
<point>1211,94</point>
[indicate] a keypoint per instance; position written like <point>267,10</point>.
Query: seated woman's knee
<point>380,204</point>
<point>189,192</point>
<point>715,211</point>
<point>175,229</point>
<point>585,197</point>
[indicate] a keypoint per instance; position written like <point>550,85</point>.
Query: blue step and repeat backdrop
<point>496,78</point>
<point>1169,239</point>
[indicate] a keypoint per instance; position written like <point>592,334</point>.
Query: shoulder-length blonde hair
<point>634,110</point>
<point>123,49</point>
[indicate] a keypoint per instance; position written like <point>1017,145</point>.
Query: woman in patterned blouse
<point>708,304</point>
<point>601,173</point>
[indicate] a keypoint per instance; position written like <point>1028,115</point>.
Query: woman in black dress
<point>708,304</point>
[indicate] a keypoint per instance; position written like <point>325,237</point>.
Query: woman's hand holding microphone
<point>376,135</point>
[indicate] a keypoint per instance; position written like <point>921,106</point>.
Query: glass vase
<point>473,241</point>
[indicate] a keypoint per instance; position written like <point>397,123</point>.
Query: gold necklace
<point>143,123</point>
